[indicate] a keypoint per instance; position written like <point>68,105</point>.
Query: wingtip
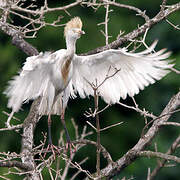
<point>154,44</point>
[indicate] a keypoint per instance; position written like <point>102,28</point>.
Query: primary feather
<point>57,76</point>
<point>135,71</point>
<point>39,77</point>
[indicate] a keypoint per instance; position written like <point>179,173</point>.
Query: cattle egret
<point>57,76</point>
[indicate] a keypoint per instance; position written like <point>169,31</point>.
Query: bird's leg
<point>69,145</point>
<point>49,129</point>
<point>65,128</point>
<point>51,147</point>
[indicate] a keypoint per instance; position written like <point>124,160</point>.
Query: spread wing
<point>130,72</point>
<point>34,80</point>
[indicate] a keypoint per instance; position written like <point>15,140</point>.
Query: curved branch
<point>163,162</point>
<point>132,154</point>
<point>159,155</point>
<point>141,13</point>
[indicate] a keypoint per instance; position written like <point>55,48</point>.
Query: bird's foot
<point>71,147</point>
<point>52,148</point>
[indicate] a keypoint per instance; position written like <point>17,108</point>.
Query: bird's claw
<point>54,149</point>
<point>71,147</point>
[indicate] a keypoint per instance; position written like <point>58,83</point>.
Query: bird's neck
<point>71,46</point>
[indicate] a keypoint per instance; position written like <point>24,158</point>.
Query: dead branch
<point>137,32</point>
<point>171,150</point>
<point>15,127</point>
<point>45,8</point>
<point>132,154</point>
<point>159,155</point>
<point>174,26</point>
<point>28,136</point>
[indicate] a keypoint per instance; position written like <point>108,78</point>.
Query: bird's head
<point>73,28</point>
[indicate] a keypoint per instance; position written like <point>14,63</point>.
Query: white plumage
<point>64,74</point>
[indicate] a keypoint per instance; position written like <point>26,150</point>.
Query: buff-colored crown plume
<point>73,23</point>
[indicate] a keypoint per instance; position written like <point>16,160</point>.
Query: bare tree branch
<point>137,32</point>
<point>159,155</point>
<point>46,9</point>
<point>28,136</point>
<point>17,164</point>
<point>132,154</point>
<point>163,162</point>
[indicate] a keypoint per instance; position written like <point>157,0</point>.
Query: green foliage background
<point>117,140</point>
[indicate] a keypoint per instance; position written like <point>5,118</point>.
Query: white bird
<point>63,74</point>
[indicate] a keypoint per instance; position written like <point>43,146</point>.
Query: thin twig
<point>175,70</point>
<point>139,12</point>
<point>113,125</point>
<point>76,174</point>
<point>174,26</point>
<point>106,24</point>
<point>9,119</point>
<point>142,112</point>
<point>14,127</point>
<point>91,125</point>
<point>39,12</point>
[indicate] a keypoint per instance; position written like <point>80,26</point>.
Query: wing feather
<point>136,71</point>
<point>33,81</point>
